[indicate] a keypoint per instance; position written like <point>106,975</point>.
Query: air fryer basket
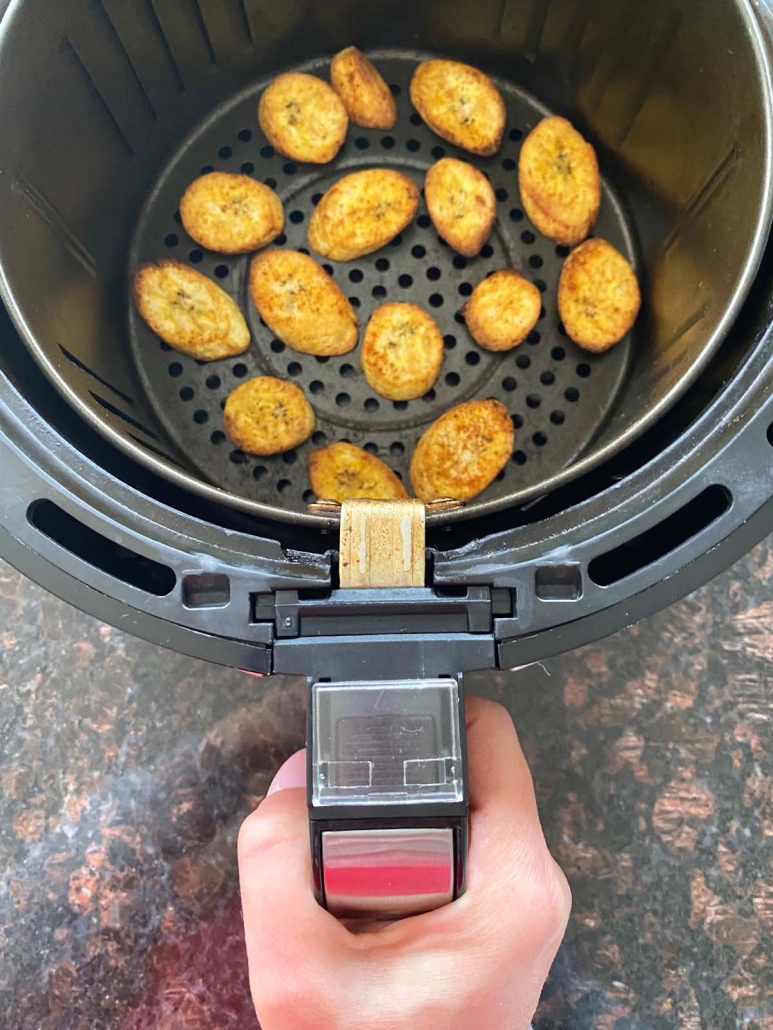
<point>115,106</point>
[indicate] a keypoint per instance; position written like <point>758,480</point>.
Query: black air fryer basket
<point>636,474</point>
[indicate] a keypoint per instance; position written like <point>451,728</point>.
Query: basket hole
<point>536,261</point>
<point>347,371</point>
<point>207,169</point>
<point>237,457</point>
<point>561,330</point>
<point>533,338</point>
<point>436,300</point>
<point>547,378</point>
<point>172,240</point>
<point>362,143</point>
<point>472,358</point>
<point>302,250</point>
<point>267,151</point>
<point>397,240</point>
<point>248,168</point>
<point>316,386</point>
<point>355,276</point>
<point>523,361</point>
<point>329,269</point>
<point>240,370</point>
<point>321,359</point>
<point>396,449</point>
<point>500,475</point>
<point>290,457</point>
<point>519,458</point>
<point>413,144</point>
<point>294,368</point>
<point>460,262</point>
<point>245,135</point>
<point>296,217</point>
<point>395,89</point>
<point>572,394</point>
<point>558,354</point>
<point>283,486</point>
<point>277,346</point>
<point>343,400</point>
<point>217,437</point>
<point>449,342</point>
<point>379,292</point>
<point>382,265</point>
<point>516,215</point>
<point>541,284</point>
<point>557,418</point>
<point>196,257</point>
<point>501,193</point>
<point>399,405</point>
<point>533,400</point>
<point>290,168</point>
<point>354,301</point>
<point>319,439</point>
<point>509,384</point>
<point>517,421</point>
<point>225,153</point>
<point>222,271</point>
<point>308,496</point>
<point>528,237</point>
<point>200,417</point>
<point>438,152</point>
<point>213,382</point>
<point>259,472</point>
<point>459,318</point>
<point>387,142</point>
<point>175,369</point>
<point>661,539</point>
<point>280,240</point>
<point>415,119</point>
<point>424,221</point>
<point>164,346</point>
<point>430,395</point>
<point>178,218</point>
<point>515,135</point>
<point>398,474</point>
<point>583,370</point>
<point>540,438</point>
<point>316,199</point>
<point>371,404</point>
<point>562,251</point>
<point>452,379</point>
<point>508,164</point>
<point>405,281</point>
<point>465,289</point>
<point>487,251</point>
<point>433,273</point>
<point>186,394</point>
<point>418,251</point>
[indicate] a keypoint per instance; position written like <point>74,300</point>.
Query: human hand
<point>477,964</point>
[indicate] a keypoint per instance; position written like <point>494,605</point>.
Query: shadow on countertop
<point>126,770</point>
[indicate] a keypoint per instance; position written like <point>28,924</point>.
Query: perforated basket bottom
<point>557,394</point>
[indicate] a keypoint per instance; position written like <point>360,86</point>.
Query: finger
<point>510,870</point>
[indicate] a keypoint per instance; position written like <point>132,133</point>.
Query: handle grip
<point>387,796</point>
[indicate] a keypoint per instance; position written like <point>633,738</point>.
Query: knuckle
<point>556,898</point>
<point>259,833</point>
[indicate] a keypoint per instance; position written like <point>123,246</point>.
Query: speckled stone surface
<point>126,770</point>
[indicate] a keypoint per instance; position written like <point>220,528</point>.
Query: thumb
<point>282,919</point>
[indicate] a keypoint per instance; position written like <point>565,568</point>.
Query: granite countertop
<point>126,771</point>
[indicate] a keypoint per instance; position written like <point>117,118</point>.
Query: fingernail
<point>292,774</point>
